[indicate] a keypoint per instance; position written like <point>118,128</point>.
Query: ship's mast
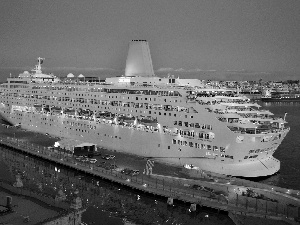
<point>38,67</point>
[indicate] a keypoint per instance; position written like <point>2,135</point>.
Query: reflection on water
<point>288,152</point>
<point>103,199</point>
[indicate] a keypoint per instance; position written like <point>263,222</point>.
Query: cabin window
<point>208,147</point>
<point>174,141</point>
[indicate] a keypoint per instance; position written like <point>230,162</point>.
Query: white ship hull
<point>141,143</point>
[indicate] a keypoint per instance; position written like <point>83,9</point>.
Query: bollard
<point>9,202</point>
<point>170,201</point>
<point>193,207</point>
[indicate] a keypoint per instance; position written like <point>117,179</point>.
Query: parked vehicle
<point>108,157</point>
<point>93,160</point>
<point>130,172</point>
<point>126,171</point>
<point>135,172</point>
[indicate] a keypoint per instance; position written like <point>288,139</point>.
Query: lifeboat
<point>69,111</point>
<point>56,109</point>
<point>148,121</point>
<point>126,118</point>
<point>38,107</point>
<point>46,108</point>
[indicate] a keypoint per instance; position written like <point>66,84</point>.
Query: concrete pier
<point>264,203</point>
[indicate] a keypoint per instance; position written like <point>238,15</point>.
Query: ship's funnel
<point>139,61</point>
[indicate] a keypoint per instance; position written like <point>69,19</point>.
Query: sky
<point>235,39</point>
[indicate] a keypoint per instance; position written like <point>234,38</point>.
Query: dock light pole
<point>284,115</point>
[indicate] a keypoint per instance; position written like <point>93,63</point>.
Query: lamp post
<point>284,116</point>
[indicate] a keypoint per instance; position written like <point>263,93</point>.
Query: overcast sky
<point>190,35</point>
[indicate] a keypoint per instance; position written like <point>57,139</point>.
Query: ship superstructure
<point>177,121</point>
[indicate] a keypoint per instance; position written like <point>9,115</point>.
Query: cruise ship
<point>182,122</point>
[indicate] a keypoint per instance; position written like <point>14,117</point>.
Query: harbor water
<point>289,151</point>
<point>116,204</point>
